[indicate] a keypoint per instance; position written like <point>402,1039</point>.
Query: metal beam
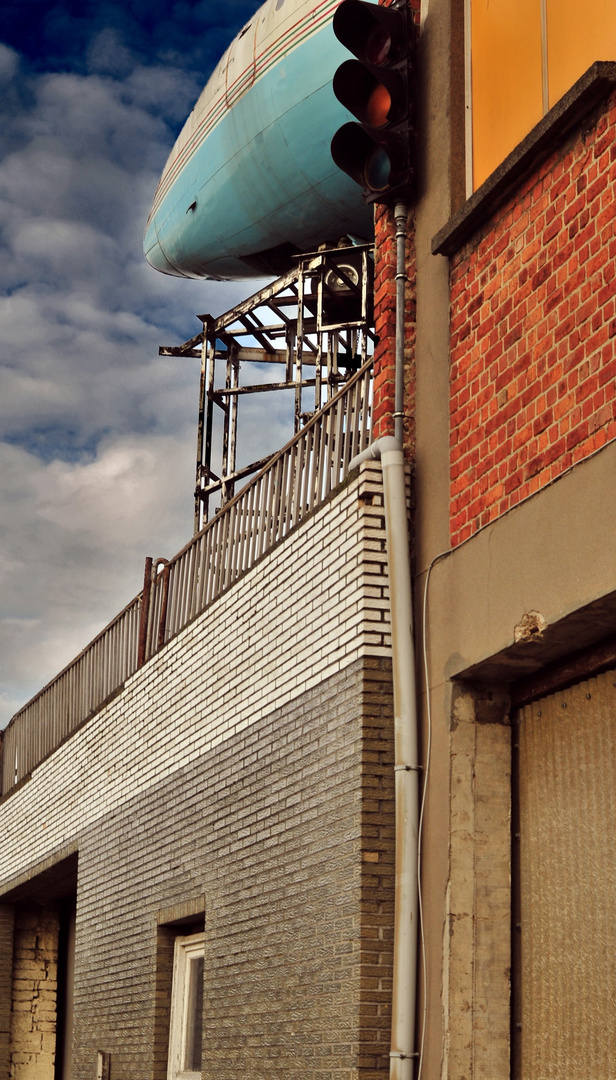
<point>321,309</point>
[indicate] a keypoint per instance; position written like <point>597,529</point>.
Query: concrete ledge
<point>551,560</point>
<point>178,914</point>
<point>594,85</point>
<point>48,879</point>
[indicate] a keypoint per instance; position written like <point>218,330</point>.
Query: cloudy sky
<point>97,438</point>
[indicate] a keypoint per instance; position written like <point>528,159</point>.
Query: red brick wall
<point>385,328</point>
<point>533,327</point>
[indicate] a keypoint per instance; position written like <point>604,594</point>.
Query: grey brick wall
<point>284,834</point>
<point>245,773</point>
<point>377,880</point>
<point>308,610</point>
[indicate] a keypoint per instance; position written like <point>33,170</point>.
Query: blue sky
<point>97,433</point>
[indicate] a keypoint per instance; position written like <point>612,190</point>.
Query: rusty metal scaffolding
<point>316,322</point>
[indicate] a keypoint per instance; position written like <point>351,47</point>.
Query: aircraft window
<point>279,4</point>
<point>245,30</point>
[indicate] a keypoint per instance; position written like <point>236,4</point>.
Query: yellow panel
<point>506,78</point>
<point>567,771</point>
<point>577,36</point>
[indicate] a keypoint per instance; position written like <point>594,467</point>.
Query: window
<point>186,1009</point>
<point>525,56</point>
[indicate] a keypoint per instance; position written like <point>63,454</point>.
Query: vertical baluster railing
<point>300,477</point>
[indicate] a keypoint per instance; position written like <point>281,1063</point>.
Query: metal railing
<point>297,480</point>
<point>73,695</point>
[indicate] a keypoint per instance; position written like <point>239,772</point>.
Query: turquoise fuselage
<point>262,176</point>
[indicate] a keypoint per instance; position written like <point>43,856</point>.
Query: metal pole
<point>145,611</point>
<point>199,474</point>
<point>400,216</point>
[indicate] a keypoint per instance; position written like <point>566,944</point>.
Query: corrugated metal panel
<point>567,773</point>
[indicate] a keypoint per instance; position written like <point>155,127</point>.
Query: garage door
<point>565,982</point>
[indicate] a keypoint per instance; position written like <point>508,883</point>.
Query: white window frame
<point>185,950</point>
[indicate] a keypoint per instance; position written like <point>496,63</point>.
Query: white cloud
<point>97,432</point>
<point>74,537</point>
<point>108,54</point>
<point>9,63</point>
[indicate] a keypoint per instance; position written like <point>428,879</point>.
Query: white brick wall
<point>306,611</point>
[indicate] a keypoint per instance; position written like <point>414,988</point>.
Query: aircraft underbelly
<point>263,176</point>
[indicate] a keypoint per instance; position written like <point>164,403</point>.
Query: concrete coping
<point>593,86</point>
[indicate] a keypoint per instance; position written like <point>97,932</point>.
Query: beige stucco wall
<point>552,558</point>
<point>440,181</point>
<point>477,939</point>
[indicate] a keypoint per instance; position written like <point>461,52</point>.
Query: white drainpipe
<point>389,451</point>
<point>406,914</point>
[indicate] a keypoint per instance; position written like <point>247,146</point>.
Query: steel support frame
<point>316,321</point>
